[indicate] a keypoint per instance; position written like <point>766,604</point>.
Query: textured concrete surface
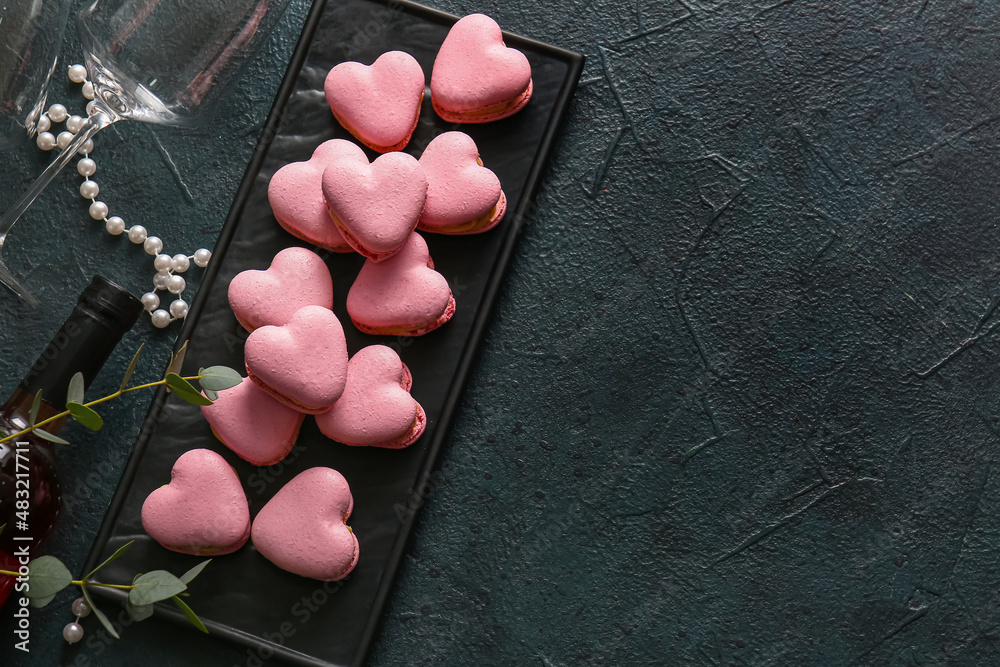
<point>738,403</point>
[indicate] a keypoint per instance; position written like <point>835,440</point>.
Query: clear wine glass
<point>158,61</point>
<point>30,36</point>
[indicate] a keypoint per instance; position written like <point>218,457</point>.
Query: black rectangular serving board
<point>385,483</point>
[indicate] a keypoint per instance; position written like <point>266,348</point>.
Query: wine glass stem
<point>92,126</point>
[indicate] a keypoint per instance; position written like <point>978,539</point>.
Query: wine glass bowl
<point>167,62</point>
<point>30,36</point>
<point>160,61</point>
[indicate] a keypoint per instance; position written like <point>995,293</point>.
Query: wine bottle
<point>29,485</point>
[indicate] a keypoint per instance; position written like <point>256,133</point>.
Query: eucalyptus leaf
<point>189,614</point>
<point>138,612</point>
<point>74,394</point>
<point>185,391</point>
<point>189,576</point>
<point>177,360</point>
<point>112,558</point>
<point>41,602</point>
<point>86,416</point>
<point>218,378</point>
<point>212,395</point>
<point>47,576</point>
<point>35,405</point>
<point>98,613</point>
<point>155,586</point>
<point>51,437</point>
<point>131,368</point>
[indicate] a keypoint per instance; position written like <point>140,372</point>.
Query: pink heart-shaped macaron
<point>297,277</point>
<point>379,104</point>
<point>296,195</point>
<point>463,196</point>
<point>476,78</point>
<point>302,363</point>
<point>303,528</point>
<point>259,428</point>
<point>402,296</point>
<point>376,408</point>
<point>202,511</point>
<point>376,205</point>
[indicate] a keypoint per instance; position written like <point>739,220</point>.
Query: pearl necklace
<point>167,268</point>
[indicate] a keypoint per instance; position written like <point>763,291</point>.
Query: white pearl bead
<point>114,225</point>
<point>162,262</point>
<point>160,280</point>
<point>44,124</point>
<point>176,284</point>
<point>202,256</point>
<point>150,301</point>
<point>180,263</point>
<point>74,124</point>
<point>179,308</point>
<point>89,189</point>
<point>88,92</point>
<point>152,245</point>
<point>86,167</point>
<point>46,141</point>
<point>81,608</point>
<point>58,113</point>
<point>137,234</point>
<point>161,318</point>
<point>77,73</point>
<point>90,105</point>
<point>63,139</point>
<point>73,633</point>
<point>88,147</point>
<point>98,210</point>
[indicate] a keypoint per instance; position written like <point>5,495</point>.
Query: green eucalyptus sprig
<point>47,575</point>
<point>212,380</point>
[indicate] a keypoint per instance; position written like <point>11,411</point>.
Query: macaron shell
<point>376,408</point>
<point>257,427</point>
<point>377,206</point>
<point>379,104</point>
<point>475,72</point>
<point>460,190</point>
<point>401,295</point>
<point>297,277</point>
<point>202,511</point>
<point>296,195</point>
<point>302,363</point>
<point>302,528</point>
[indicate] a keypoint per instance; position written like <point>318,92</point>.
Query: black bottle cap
<point>103,313</point>
<point>112,301</point>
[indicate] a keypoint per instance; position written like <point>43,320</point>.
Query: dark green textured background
<point>738,405</point>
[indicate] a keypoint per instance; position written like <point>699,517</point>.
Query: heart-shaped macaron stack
<point>297,200</point>
<point>303,528</point>
<point>202,511</point>
<point>476,77</point>
<point>376,408</point>
<point>296,354</point>
<point>393,85</point>
<point>402,296</point>
<point>297,277</point>
<point>376,206</point>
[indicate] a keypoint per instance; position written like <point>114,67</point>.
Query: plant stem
<point>91,403</point>
<point>76,582</point>
<point>97,583</point>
